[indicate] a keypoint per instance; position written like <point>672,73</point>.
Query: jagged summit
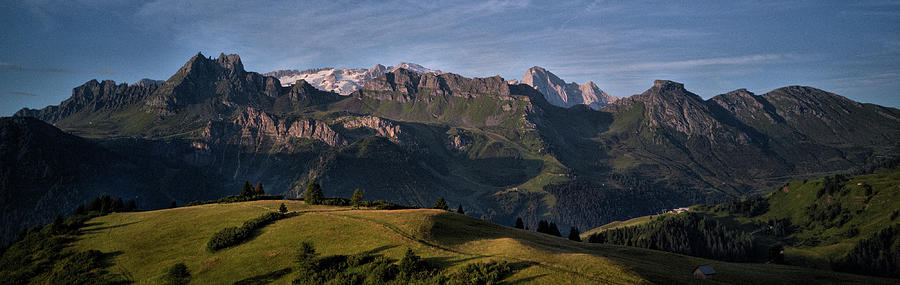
<point>563,94</point>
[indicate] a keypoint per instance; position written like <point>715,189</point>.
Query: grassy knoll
<point>145,243</point>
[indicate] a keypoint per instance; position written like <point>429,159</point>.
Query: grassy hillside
<point>144,243</point>
<point>817,222</point>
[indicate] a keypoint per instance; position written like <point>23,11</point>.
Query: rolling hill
<point>142,244</point>
<point>819,223</point>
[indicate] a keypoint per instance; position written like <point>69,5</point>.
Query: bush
<point>84,268</point>
<point>481,273</point>
<point>178,274</point>
<point>232,236</point>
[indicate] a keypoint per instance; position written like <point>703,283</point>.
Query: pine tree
<point>441,204</point>
<point>131,206</point>
<point>258,190</point>
<point>543,227</point>
<point>553,230</point>
<point>519,223</point>
<point>410,264</point>
<point>282,209</point>
<point>574,234</point>
<point>174,205</point>
<point>247,190</point>
<point>313,194</point>
<point>460,210</point>
<point>306,258</point>
<point>357,198</point>
<point>118,205</point>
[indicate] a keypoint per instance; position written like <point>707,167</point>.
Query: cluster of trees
<point>548,228</point>
<point>750,207</point>
<point>829,216</point>
<point>105,205</point>
<point>441,204</point>
<point>833,184</point>
<point>366,268</point>
<point>45,251</point>
<point>879,254</point>
<point>689,234</point>
<point>777,227</point>
<point>250,191</point>
<point>586,204</point>
<point>232,236</point>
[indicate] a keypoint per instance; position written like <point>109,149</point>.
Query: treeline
<point>689,234</point>
<point>45,251</point>
<point>750,207</point>
<point>248,193</point>
<point>232,236</point>
<point>879,254</point>
<point>833,185</point>
<point>586,204</point>
<point>368,268</point>
<point>313,195</point>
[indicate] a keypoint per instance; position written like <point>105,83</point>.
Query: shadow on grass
<point>265,278</point>
<point>106,227</point>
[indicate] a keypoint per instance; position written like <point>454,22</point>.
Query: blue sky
<point>848,47</point>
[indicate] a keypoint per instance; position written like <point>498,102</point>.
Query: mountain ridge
<point>501,149</point>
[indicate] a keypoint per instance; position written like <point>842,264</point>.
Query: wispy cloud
<point>681,64</point>
<point>21,93</point>
<point>17,67</point>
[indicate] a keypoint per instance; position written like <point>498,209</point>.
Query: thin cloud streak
<point>16,67</point>
<point>21,93</point>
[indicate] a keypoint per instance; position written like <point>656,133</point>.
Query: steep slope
<point>45,172</point>
<point>144,245</point>
<point>562,94</point>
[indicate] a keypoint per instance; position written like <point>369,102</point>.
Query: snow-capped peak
<point>343,81</point>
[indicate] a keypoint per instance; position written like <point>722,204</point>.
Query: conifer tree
<point>258,190</point>
<point>247,190</point>
<point>441,204</point>
<point>553,230</point>
<point>460,210</point>
<point>519,223</point>
<point>282,209</point>
<point>574,234</point>
<point>313,194</point>
<point>357,198</point>
<point>543,227</point>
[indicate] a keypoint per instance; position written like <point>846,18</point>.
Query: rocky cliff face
<point>404,85</point>
<point>562,94</point>
<point>222,79</point>
<point>94,96</point>
<point>254,127</point>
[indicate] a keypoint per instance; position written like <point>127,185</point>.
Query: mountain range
<point>539,149</point>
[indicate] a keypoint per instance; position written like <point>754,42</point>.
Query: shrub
<point>232,236</point>
<point>481,273</point>
<point>178,274</point>
<point>441,204</point>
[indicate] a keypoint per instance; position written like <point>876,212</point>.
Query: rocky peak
<point>230,62</point>
<point>559,93</point>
